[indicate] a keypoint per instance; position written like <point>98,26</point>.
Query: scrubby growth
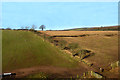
<point>49,38</point>
<point>73,46</point>
<point>62,44</point>
<point>110,35</point>
<point>8,28</point>
<point>83,53</point>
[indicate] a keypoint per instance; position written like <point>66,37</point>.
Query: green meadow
<point>23,49</point>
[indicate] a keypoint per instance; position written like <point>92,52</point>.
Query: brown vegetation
<point>104,44</point>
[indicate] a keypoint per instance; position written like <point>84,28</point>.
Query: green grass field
<point>23,49</point>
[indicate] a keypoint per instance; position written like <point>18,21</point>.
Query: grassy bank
<point>22,49</point>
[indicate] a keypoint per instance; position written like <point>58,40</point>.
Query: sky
<point>59,15</point>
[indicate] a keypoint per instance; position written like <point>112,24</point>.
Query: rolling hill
<point>106,28</point>
<point>23,49</point>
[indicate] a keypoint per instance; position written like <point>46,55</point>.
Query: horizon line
<point>67,28</point>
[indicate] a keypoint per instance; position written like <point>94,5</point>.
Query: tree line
<point>33,27</point>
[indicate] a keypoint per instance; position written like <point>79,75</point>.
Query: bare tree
<point>42,27</point>
<point>22,27</point>
<point>27,27</point>
<point>33,27</point>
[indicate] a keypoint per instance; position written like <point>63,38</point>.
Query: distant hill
<point>106,28</point>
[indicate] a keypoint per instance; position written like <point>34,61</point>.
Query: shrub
<point>62,43</point>
<point>8,28</point>
<point>82,53</point>
<point>73,45</point>
<point>50,39</point>
<point>33,30</point>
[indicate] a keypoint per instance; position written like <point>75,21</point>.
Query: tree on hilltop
<point>42,27</point>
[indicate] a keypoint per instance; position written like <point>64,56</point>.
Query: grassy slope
<point>21,49</point>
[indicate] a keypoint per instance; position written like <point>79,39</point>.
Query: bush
<point>50,39</point>
<point>62,43</point>
<point>31,29</point>
<point>8,28</point>
<point>73,45</point>
<point>82,53</point>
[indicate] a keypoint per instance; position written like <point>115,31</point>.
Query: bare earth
<point>58,72</point>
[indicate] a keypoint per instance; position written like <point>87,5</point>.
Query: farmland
<point>105,46</point>
<point>25,53</point>
<point>53,33</point>
<point>105,28</point>
<point>103,43</point>
<point>31,55</point>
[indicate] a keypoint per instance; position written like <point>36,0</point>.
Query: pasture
<point>29,54</point>
<point>24,49</point>
<point>103,43</point>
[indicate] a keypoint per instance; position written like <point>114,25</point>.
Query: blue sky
<point>59,15</point>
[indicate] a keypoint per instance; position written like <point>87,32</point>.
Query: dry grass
<point>114,73</point>
<point>52,33</point>
<point>105,47</point>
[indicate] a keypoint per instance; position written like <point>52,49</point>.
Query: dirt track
<point>58,72</point>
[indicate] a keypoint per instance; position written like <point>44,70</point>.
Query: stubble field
<point>103,43</point>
